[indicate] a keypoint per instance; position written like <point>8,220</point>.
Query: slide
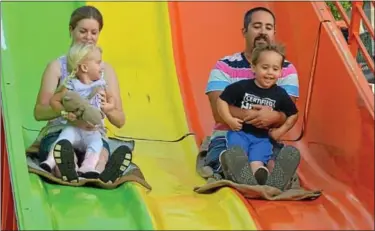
<point>162,53</point>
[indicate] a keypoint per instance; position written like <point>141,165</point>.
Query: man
<point>258,28</point>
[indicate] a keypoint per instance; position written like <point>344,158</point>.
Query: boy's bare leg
<point>255,165</point>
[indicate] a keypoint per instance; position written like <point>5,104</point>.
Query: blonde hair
<point>76,54</point>
<point>278,48</point>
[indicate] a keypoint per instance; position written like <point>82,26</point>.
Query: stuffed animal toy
<point>74,103</point>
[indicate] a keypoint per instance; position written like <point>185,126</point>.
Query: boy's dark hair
<point>249,15</point>
<point>278,48</point>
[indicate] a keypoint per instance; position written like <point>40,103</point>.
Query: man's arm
<point>290,110</point>
<point>277,133</point>
<point>289,123</point>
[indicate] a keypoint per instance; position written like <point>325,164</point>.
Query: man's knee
<point>277,148</point>
<point>215,148</point>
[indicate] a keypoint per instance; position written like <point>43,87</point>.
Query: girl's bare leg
<point>103,159</point>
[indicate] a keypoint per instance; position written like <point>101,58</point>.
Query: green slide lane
<point>35,33</point>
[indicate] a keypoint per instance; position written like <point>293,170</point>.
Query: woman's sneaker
<point>117,164</point>
<point>63,153</point>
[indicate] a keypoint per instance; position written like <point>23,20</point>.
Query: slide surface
<point>162,53</point>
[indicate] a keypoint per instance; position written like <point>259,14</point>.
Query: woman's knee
<point>45,145</point>
<point>104,154</point>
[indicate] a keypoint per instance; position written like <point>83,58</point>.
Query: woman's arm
<point>110,98</point>
<point>42,109</point>
<point>115,116</point>
<point>56,101</point>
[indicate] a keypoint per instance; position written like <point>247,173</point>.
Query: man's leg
<point>217,146</point>
<point>276,147</point>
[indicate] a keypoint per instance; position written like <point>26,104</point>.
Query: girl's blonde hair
<point>76,54</point>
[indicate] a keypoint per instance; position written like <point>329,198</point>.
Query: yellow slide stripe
<point>136,40</point>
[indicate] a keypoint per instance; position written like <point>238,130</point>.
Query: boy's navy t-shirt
<point>245,93</point>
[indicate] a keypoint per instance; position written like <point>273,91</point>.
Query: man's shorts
<point>48,140</point>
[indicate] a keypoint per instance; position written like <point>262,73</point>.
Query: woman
<point>85,26</point>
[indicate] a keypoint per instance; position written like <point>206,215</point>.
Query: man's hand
<point>264,117</point>
<point>250,115</point>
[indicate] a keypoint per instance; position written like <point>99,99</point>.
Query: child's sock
<point>48,164</point>
<point>261,175</point>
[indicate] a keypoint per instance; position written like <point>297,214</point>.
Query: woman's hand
<point>264,117</point>
<point>72,120</point>
<point>69,116</point>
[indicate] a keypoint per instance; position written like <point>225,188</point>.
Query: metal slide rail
<point>355,42</point>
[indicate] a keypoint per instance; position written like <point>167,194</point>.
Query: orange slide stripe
<point>186,88</point>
